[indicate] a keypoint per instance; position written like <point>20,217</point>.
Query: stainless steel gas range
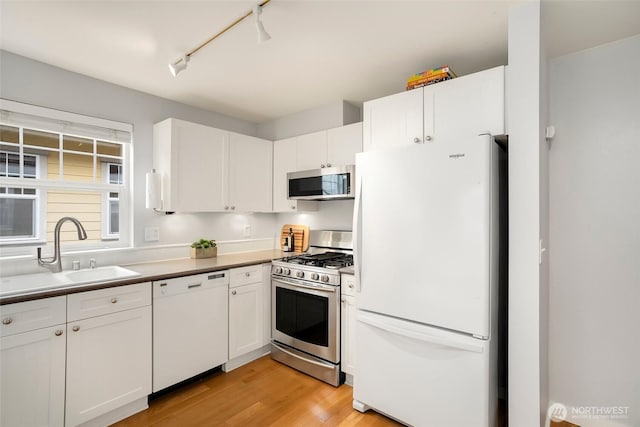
<point>306,306</point>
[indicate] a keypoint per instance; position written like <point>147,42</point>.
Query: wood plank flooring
<point>261,393</point>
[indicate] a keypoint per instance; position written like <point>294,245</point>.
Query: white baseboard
<point>118,414</point>
<point>246,358</point>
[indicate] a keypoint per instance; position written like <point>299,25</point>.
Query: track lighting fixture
<point>181,64</point>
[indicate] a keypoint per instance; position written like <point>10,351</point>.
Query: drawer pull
<point>247,274</point>
<point>114,300</point>
<point>59,332</point>
<point>7,321</point>
<point>233,292</point>
<point>194,285</point>
<point>76,328</point>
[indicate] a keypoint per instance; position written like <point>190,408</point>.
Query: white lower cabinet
<point>32,362</point>
<point>246,306</point>
<point>108,356</point>
<point>348,324</point>
<point>32,372</point>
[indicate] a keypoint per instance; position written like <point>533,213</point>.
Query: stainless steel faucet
<point>55,264</point>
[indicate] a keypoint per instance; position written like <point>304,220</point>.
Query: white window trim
<point>105,220</point>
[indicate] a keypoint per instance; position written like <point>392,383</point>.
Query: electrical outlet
<point>151,234</point>
<point>247,230</point>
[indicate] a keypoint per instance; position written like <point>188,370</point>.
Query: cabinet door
<point>343,143</point>
<point>192,159</point>
<point>245,319</point>
<point>468,106</point>
<point>32,372</point>
<point>348,327</point>
<point>250,173</point>
<point>393,120</point>
<point>108,363</point>
<point>312,151</point>
<point>284,161</point>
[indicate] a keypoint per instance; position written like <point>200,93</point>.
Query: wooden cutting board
<point>300,236</point>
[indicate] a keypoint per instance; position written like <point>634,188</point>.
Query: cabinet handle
<point>233,292</point>
<point>293,207</point>
<point>194,285</point>
<point>59,332</point>
<point>226,208</point>
<point>350,285</point>
<point>114,300</point>
<point>233,208</point>
<point>322,165</point>
<point>247,274</point>
<point>76,328</point>
<point>7,321</point>
<point>328,165</point>
<point>416,140</point>
<point>427,138</point>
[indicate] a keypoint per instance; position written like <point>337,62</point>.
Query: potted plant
<point>204,248</point>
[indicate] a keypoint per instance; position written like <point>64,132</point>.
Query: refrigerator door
<point>422,225</point>
<point>422,376</point>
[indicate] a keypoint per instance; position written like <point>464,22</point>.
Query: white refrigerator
<point>426,250</point>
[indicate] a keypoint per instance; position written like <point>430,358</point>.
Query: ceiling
<point>321,51</point>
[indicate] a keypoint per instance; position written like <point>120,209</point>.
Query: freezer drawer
<point>421,375</point>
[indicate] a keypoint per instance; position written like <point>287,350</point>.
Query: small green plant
<point>203,244</point>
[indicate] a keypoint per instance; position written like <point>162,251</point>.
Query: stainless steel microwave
<point>322,184</point>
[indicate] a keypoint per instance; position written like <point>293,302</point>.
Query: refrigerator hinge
<point>480,337</point>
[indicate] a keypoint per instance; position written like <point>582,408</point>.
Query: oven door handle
<point>328,289</point>
<point>313,362</point>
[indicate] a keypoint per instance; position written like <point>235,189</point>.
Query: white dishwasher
<point>190,326</point>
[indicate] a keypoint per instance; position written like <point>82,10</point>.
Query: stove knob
<point>300,274</point>
<point>278,270</point>
<point>314,276</point>
<point>324,278</point>
<point>286,271</point>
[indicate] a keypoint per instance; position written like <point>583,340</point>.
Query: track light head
<point>179,65</point>
<point>263,36</point>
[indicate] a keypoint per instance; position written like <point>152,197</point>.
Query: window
<point>111,220</point>
<point>18,206</point>
<point>60,164</point>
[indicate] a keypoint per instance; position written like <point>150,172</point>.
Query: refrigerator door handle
<point>418,336</point>
<point>357,225</point>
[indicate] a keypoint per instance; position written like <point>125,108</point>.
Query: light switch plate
<point>247,230</point>
<point>151,234</point>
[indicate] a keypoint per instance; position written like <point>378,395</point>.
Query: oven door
<point>306,317</point>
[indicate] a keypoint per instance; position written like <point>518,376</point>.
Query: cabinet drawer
<point>348,284</point>
<point>105,301</point>
<point>30,315</point>
<point>245,275</point>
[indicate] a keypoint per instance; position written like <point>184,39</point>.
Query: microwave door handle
<point>357,225</point>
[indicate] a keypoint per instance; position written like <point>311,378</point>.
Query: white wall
<point>595,232</point>
<point>526,95</point>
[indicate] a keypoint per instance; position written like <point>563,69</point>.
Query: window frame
<point>105,228</point>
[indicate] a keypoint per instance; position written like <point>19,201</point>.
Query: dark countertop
<point>157,270</point>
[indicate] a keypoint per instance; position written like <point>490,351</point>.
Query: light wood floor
<point>262,393</point>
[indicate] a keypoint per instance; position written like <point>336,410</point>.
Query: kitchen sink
<point>30,283</point>
<point>100,274</point>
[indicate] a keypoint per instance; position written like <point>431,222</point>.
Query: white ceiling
<point>321,51</point>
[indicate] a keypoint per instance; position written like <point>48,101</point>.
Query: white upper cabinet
<point>393,120</point>
<point>312,151</point>
<point>191,159</point>
<point>205,169</point>
<point>343,143</point>
<point>458,108</point>
<point>250,173</point>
